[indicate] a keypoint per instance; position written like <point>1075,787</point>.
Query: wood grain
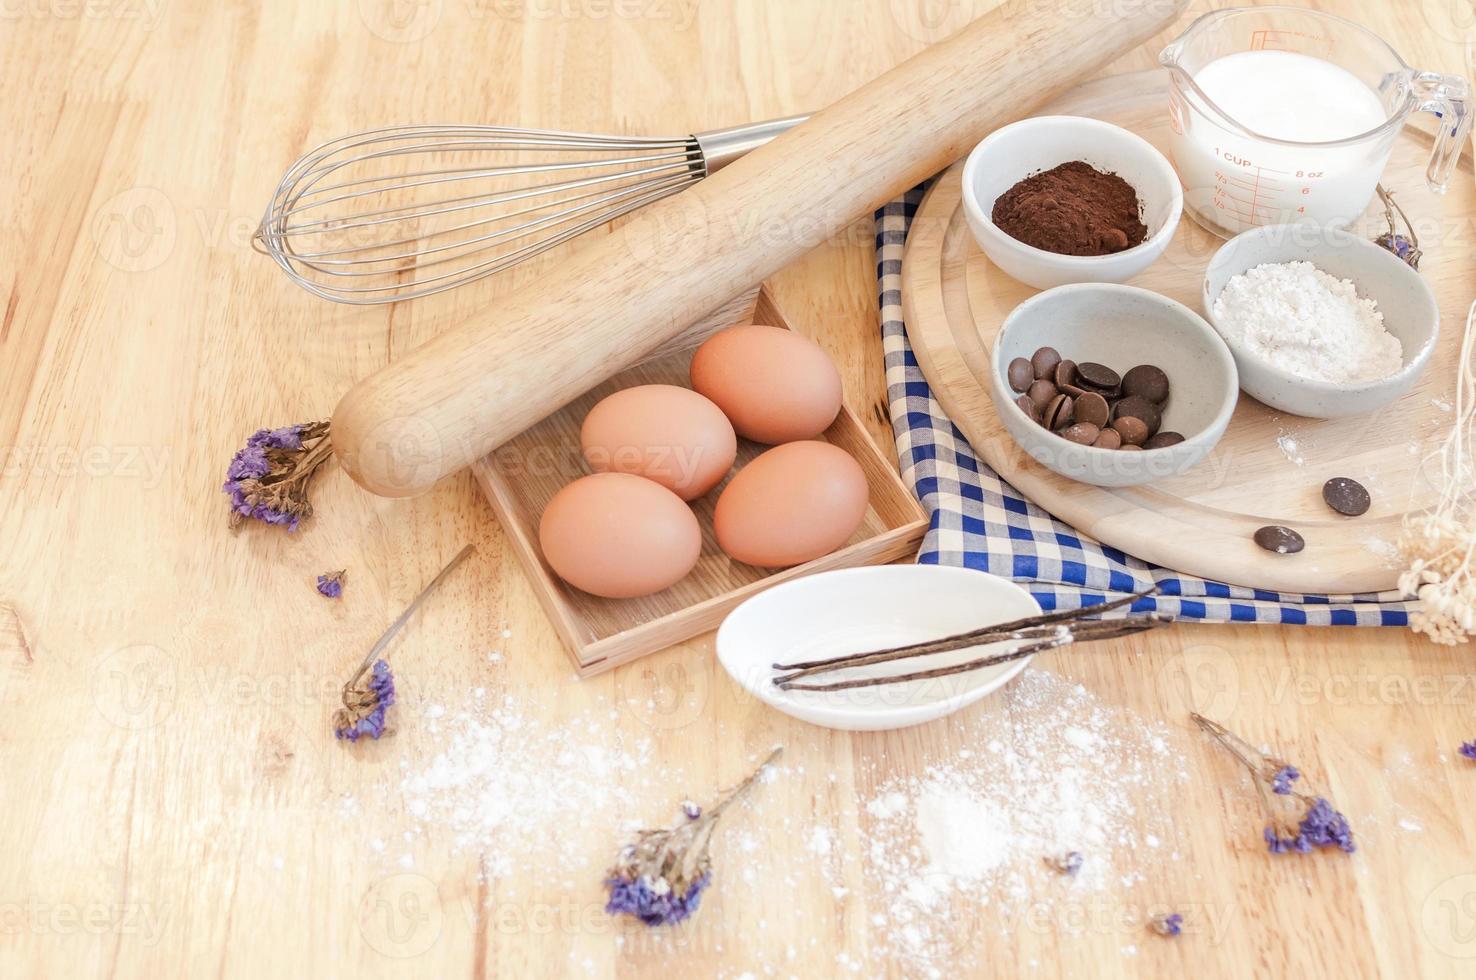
<point>164,761</point>
<point>1269,467</point>
<point>525,473</point>
<point>477,385</point>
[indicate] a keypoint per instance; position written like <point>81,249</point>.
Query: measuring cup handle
<point>1448,97</point>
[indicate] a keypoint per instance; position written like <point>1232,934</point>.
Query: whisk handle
<point>721,147</point>
<point>620,296</point>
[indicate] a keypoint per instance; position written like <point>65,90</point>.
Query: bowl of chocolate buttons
<point>1112,385</point>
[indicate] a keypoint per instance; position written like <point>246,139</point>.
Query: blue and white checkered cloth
<point>980,521</point>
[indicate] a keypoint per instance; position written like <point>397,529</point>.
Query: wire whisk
<point>394,214</point>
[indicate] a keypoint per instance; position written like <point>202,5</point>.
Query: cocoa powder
<point>1072,209</point>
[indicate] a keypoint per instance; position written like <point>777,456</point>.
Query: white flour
<point>966,840</point>
<point>1300,319</point>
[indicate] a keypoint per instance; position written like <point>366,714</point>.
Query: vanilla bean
<point>1117,630</point>
<point>970,638</point>
<point>1088,629</point>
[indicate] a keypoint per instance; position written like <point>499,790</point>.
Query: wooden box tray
<point>1269,467</point>
<point>522,476</point>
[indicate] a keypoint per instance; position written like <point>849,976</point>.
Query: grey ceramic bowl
<point>1410,310</point>
<point>1121,327</point>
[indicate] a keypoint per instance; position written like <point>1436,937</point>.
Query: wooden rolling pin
<point>619,297</point>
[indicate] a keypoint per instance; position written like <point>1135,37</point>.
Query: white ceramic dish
<point>854,610</point>
<point>1121,327</point>
<point>1021,149</point>
<point>1410,310</point>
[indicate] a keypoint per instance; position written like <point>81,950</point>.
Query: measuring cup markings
<point>1326,74</point>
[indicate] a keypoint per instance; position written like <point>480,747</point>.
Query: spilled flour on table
<point>1055,770</point>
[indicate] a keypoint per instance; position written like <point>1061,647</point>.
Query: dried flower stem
<point>1440,544</point>
<point>398,624</point>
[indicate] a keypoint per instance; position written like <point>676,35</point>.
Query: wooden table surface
<point>174,803</point>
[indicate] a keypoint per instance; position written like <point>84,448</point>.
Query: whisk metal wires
<point>403,212</point>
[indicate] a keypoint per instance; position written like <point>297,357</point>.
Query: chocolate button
<point>1163,440</point>
<point>1092,407</point>
<point>1108,439</point>
<point>1058,413</point>
<point>1282,540</point>
<point>1020,374</point>
<point>1082,433</point>
<point>1098,376</point>
<point>1132,429</point>
<point>1346,496</point>
<point>1138,407</point>
<point>1044,361</point>
<point>1065,374</point>
<point>1146,381</point>
<point>1028,407</point>
<point>1041,392</point>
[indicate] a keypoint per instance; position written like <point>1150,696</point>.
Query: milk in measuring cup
<point>1237,182</point>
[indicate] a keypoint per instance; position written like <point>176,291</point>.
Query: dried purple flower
<point>1068,863</point>
<point>1297,823</point>
<point>267,479</point>
<point>366,704</point>
<point>1167,925</point>
<point>1404,247</point>
<point>364,707</point>
<point>1468,749</point>
<point>659,879</point>
<point>691,809</point>
<point>330,584</point>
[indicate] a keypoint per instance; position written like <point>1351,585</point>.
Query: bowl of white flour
<point>1321,323</point>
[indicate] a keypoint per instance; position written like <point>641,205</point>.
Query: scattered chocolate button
<point>1346,496</point>
<point>1146,381</point>
<point>1092,407</point>
<point>1108,439</point>
<point>1082,433</point>
<point>1045,361</point>
<point>1097,376</point>
<point>1282,540</point>
<point>1058,413</point>
<point>1073,390</point>
<point>1028,407</point>
<point>1041,392</point>
<point>1020,374</point>
<point>1162,440</point>
<point>1065,374</point>
<point>1138,407</point>
<point>1134,431</point>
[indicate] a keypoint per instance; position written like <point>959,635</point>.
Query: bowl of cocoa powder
<point>1055,200</point>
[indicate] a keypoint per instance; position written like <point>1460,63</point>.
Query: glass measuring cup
<point>1236,178</point>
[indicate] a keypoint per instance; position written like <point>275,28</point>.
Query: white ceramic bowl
<point>1121,327</point>
<point>855,610</point>
<point>1030,146</point>
<point>1410,310</point>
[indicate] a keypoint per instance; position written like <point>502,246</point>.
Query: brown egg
<point>791,505</point>
<point>661,432</point>
<point>774,385</point>
<point>619,536</point>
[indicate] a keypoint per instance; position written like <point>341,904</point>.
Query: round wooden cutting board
<point>1270,467</point>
